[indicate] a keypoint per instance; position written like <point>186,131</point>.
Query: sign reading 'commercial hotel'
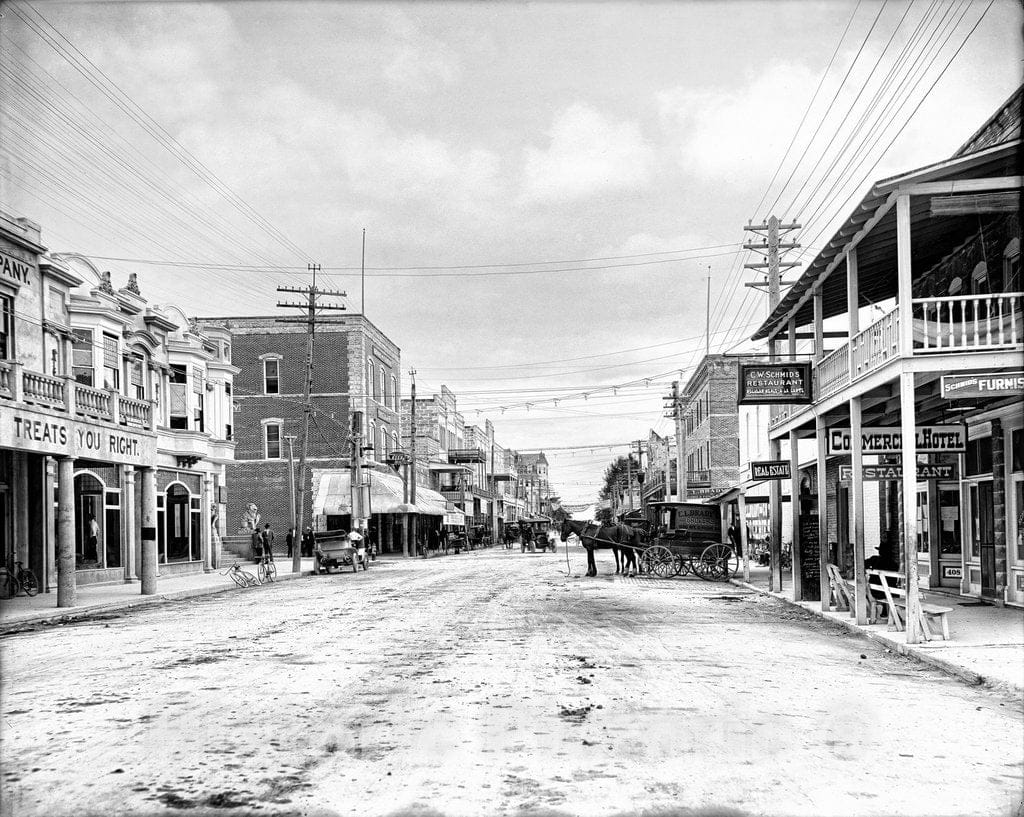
<point>880,440</point>
<point>775,383</point>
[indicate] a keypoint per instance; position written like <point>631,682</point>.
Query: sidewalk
<point>92,599</point>
<point>986,645</point>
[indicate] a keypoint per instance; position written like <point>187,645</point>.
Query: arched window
<point>369,378</point>
<point>383,386</point>
<point>394,393</point>
<point>372,441</point>
<point>382,448</point>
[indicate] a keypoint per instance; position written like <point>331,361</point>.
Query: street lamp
<point>296,535</point>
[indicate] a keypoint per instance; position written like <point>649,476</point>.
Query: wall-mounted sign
<point>15,269</point>
<point>882,473</point>
<point>770,469</point>
<point>999,384</point>
<point>952,572</point>
<point>775,383</point>
<point>889,440</point>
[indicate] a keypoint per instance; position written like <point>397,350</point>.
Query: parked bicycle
<point>267,569</point>
<point>243,578</point>
<point>13,582</point>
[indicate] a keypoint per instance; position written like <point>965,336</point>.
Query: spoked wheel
<point>271,572</point>
<point>238,578</point>
<point>681,565</point>
<point>719,562</point>
<point>29,583</point>
<point>662,562</point>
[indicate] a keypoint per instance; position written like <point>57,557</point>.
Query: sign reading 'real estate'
<point>775,383</point>
<point>1004,384</point>
<point>940,439</point>
<point>884,473</point>
<point>770,469</point>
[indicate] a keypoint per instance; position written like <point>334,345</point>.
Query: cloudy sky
<point>543,186</point>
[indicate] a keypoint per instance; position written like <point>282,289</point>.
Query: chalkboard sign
<point>810,555</point>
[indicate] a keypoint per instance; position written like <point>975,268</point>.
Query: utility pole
<point>412,479</point>
<point>640,471</point>
<point>311,306</point>
<point>770,248</point>
<point>629,477</point>
<point>707,317</point>
<point>355,465</point>
<point>296,533</point>
<point>677,416</point>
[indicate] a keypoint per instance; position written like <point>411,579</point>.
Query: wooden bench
<point>896,600</point>
<point>843,595</point>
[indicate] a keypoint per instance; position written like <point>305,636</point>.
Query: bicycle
<point>243,578</point>
<point>267,569</point>
<point>12,582</point>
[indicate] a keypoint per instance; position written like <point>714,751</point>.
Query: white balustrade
<point>42,388</point>
<point>134,412</point>
<point>968,322</point>
<point>6,378</point>
<point>833,371</point>
<point>92,402</point>
<point>876,345</point>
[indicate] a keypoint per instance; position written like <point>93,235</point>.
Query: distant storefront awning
<point>448,467</point>
<point>332,494</point>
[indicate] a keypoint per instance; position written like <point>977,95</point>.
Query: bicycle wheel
<point>250,580</point>
<point>263,571</point>
<point>8,585</point>
<point>271,572</point>
<point>28,582</point>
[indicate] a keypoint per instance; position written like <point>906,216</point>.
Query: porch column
<point>66,589</point>
<point>49,526</point>
<point>206,537</point>
<point>909,461</point>
<point>857,506</point>
<point>823,550</point>
<point>791,337</point>
<point>741,502</point>
<point>794,506</point>
<point>19,463</point>
<point>904,281</point>
<point>149,541</point>
<point>853,292</point>
<point>819,325</point>
<point>775,497</point>
<point>131,568</point>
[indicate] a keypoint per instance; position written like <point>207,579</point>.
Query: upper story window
<point>111,363</point>
<point>137,377</point>
<point>82,356</point>
<point>394,393</point>
<point>56,305</point>
<point>373,436</point>
<point>369,378</point>
<point>272,375</point>
<point>272,439</point>
<point>384,386</point>
<point>178,408</point>
<point>6,327</point>
<point>1011,266</point>
<point>197,388</point>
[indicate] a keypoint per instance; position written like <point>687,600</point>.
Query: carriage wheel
<point>719,562</point>
<point>661,561</point>
<point>681,565</point>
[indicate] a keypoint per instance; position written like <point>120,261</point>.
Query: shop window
<point>271,376</point>
<point>1017,450</point>
<point>6,327</point>
<point>111,363</point>
<point>978,459</point>
<point>82,356</point>
<point>179,397</point>
<point>272,440</point>
<point>195,531</point>
<point>112,528</point>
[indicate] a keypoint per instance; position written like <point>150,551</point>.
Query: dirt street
<point>491,683</point>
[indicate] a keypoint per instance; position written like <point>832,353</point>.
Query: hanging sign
<point>775,383</point>
<point>1001,384</point>
<point>883,473</point>
<point>770,469</point>
<point>889,440</point>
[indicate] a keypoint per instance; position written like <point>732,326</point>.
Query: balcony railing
<point>968,322</point>
<point>876,345</point>
<point>833,371</point>
<point>133,412</point>
<point>91,402</point>
<point>6,378</point>
<point>42,388</point>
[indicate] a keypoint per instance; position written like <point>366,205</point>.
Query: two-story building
<point>925,396</point>
<point>115,425</point>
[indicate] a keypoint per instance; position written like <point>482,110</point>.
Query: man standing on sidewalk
<point>267,538</point>
<point>289,540</point>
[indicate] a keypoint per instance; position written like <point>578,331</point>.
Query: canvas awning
<point>333,494</point>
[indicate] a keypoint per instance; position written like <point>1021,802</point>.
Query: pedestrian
<point>267,539</point>
<point>289,540</point>
<point>356,540</point>
<point>308,542</point>
<point>734,537</point>
<point>92,546</point>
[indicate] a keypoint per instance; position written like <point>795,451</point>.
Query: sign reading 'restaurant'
<point>882,473</point>
<point>929,439</point>
<point>770,469</point>
<point>775,383</point>
<point>1005,384</point>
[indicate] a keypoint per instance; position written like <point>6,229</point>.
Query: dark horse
<point>600,536</point>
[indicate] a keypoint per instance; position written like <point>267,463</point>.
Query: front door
<point>1015,542</point>
<point>983,535</point>
<point>949,536</point>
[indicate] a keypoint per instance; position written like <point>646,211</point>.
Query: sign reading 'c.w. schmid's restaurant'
<point>882,440</point>
<point>775,383</point>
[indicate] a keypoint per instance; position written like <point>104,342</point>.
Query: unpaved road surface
<point>490,683</point>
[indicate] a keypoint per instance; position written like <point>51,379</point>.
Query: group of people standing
<point>263,542</point>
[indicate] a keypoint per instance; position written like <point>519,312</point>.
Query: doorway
<point>983,546</point>
<point>88,522</point>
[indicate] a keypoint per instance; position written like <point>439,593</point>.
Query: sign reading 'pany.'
<point>929,440</point>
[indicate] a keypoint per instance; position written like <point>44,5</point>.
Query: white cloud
<point>418,62</point>
<point>588,153</point>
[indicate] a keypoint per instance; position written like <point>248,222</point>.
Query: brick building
<point>355,368</point>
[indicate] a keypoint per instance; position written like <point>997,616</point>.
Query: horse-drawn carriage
<point>671,539</point>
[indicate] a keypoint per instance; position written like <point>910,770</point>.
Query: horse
<point>600,536</point>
